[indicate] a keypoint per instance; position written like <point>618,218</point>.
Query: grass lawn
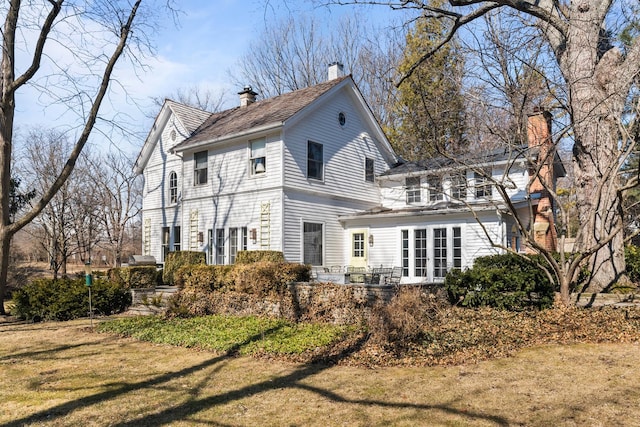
<point>63,374</point>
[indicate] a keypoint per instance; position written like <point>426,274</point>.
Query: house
<point>274,174</point>
<point>310,173</point>
<point>443,213</point>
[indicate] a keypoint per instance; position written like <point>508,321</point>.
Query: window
<point>312,243</point>
<point>233,245</point>
<point>412,184</point>
<point>482,183</point>
<point>420,252</point>
<point>173,188</point>
<point>405,253</point>
<point>439,253</point>
<point>243,243</point>
<point>459,186</point>
<point>200,168</point>
<point>258,156</point>
<point>457,248</point>
<point>176,239</point>
<point>358,245</point>
<point>342,118</point>
<point>435,188</point>
<point>314,160</point>
<point>165,242</point>
<point>368,170</point>
<point>210,246</point>
<point>220,246</point>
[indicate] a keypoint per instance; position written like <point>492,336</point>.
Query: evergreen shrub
<point>175,260</point>
<point>632,259</point>
<point>507,281</point>
<point>66,299</point>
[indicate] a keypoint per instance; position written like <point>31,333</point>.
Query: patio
<point>358,275</point>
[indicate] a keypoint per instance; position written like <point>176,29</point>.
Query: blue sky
<point>201,50</point>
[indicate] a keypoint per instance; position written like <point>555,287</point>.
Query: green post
<point>88,281</point>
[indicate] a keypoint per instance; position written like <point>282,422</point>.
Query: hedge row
<point>65,299</point>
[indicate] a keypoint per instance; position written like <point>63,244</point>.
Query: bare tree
<point>194,96</point>
<point>81,83</point>
<point>62,226</point>
<point>119,193</point>
<point>599,77</point>
<point>294,53</point>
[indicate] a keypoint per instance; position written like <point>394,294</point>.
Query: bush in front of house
<point>241,289</point>
<point>267,277</point>
<point>203,278</point>
<point>506,281</point>
<point>174,260</point>
<point>249,257</point>
<point>66,299</point>
<point>134,277</point>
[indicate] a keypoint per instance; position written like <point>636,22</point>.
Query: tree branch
<point>95,107</point>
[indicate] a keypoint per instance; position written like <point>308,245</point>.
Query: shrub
<point>506,281</point>
<point>264,277</point>
<point>405,319</point>
<point>632,259</point>
<point>65,299</point>
<point>203,278</point>
<point>135,277</point>
<point>250,257</point>
<point>175,260</point>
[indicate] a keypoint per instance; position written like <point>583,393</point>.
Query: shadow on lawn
<point>195,405</point>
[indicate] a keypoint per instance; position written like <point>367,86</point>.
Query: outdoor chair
<point>396,275</point>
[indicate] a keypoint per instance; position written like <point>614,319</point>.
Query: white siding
<point>299,208</point>
<point>344,149</point>
<point>387,247</point>
<point>394,194</point>
<point>228,170</point>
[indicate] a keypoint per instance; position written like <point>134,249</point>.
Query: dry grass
<point>62,374</point>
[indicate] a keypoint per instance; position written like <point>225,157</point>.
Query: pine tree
<point>429,111</point>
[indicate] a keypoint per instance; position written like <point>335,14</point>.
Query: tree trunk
<point>596,98</point>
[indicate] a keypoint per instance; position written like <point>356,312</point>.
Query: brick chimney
<point>247,96</point>
<point>541,145</point>
<point>336,70</point>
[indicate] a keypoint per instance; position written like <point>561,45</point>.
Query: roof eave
<point>229,137</point>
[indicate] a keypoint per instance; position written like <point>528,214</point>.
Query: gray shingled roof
<point>497,155</point>
<point>190,117</point>
<point>269,111</point>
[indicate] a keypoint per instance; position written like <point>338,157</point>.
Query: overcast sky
<point>201,50</point>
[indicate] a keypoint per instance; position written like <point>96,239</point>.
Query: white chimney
<point>336,70</point>
<point>247,96</point>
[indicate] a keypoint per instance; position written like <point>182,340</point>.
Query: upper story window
<point>258,156</point>
<point>315,164</point>
<point>459,185</point>
<point>482,184</point>
<point>412,184</point>
<point>173,187</point>
<point>200,160</point>
<point>435,188</point>
<point>369,170</point>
